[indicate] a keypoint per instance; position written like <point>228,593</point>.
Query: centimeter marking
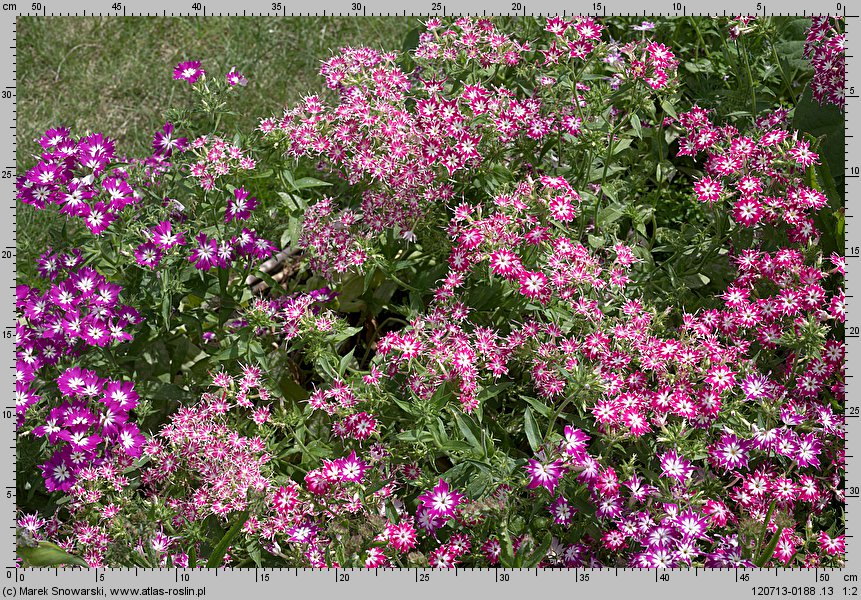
<point>801,581</point>
<point>10,231</point>
<point>360,8</point>
<point>363,12</point>
<point>679,584</point>
<point>849,229</point>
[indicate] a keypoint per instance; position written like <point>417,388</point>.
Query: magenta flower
<point>234,78</point>
<point>402,537</point>
<point>720,378</point>
<point>303,533</point>
<point>80,439</point>
<point>189,71</point>
<point>352,468</point>
<point>54,136</point>
<point>164,142</point>
<point>833,546</point>
<point>544,474</point>
<point>731,452</point>
<point>506,263</point>
<point>121,393</point>
<point>97,217</point>
<point>286,498</point>
<point>807,450</point>
<point>575,441</point>
<point>148,255</point>
<point>429,521</point>
<point>130,439</point>
<point>95,332</point>
<point>205,255</point>
<point>562,512</point>
<point>691,524</point>
<point>165,238</point>
<point>675,466</point>
<point>708,189</point>
<point>533,284</point>
<point>121,193</point>
<point>441,500</point>
<point>73,381</point>
<point>240,206</point>
<point>59,472</point>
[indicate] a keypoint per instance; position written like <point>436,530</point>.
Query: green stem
<point>376,334</point>
<point>617,127</point>
<point>752,84</point>
<point>702,41</point>
<point>553,420</point>
<point>786,83</point>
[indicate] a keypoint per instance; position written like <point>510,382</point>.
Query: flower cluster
<point>553,316</point>
<point>79,309</point>
<point>468,40</point>
<point>78,175</point>
<point>651,62</point>
<point>90,425</point>
<point>331,238</point>
<point>214,157</point>
<point>825,47</point>
<point>524,242</point>
<point>762,173</point>
<point>103,491</point>
<point>199,466</point>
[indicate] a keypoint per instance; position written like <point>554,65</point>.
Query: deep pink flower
<point>544,474</point>
<point>675,466</point>
<point>148,255</point>
<point>441,500</point>
<point>352,468</point>
<point>731,452</point>
<point>164,142</point>
<point>205,254</point>
<point>234,78</point>
<point>708,189</point>
<point>164,236</point>
<point>130,439</point>
<point>189,71</point>
<point>240,206</point>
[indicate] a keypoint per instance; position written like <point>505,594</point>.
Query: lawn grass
<point>114,75</point>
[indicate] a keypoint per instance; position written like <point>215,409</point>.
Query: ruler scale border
<point>427,583</point>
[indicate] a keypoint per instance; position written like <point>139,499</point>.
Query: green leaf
<point>269,280</point>
<point>467,431</point>
<point>595,241</point>
<point>531,429</point>
<point>217,556</point>
<point>542,408</point>
<point>492,391</point>
<point>407,407</point>
<point>506,554</point>
<point>292,202</point>
<point>621,145</point>
<point>347,333</point>
<point>304,183</point>
<point>608,215</point>
<point>638,128</point>
<point>322,363</point>
<point>345,361</point>
<point>285,238</point>
<point>46,554</point>
<point>768,551</point>
<point>821,121</point>
<point>535,557</point>
<point>229,353</point>
<point>411,40</point>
